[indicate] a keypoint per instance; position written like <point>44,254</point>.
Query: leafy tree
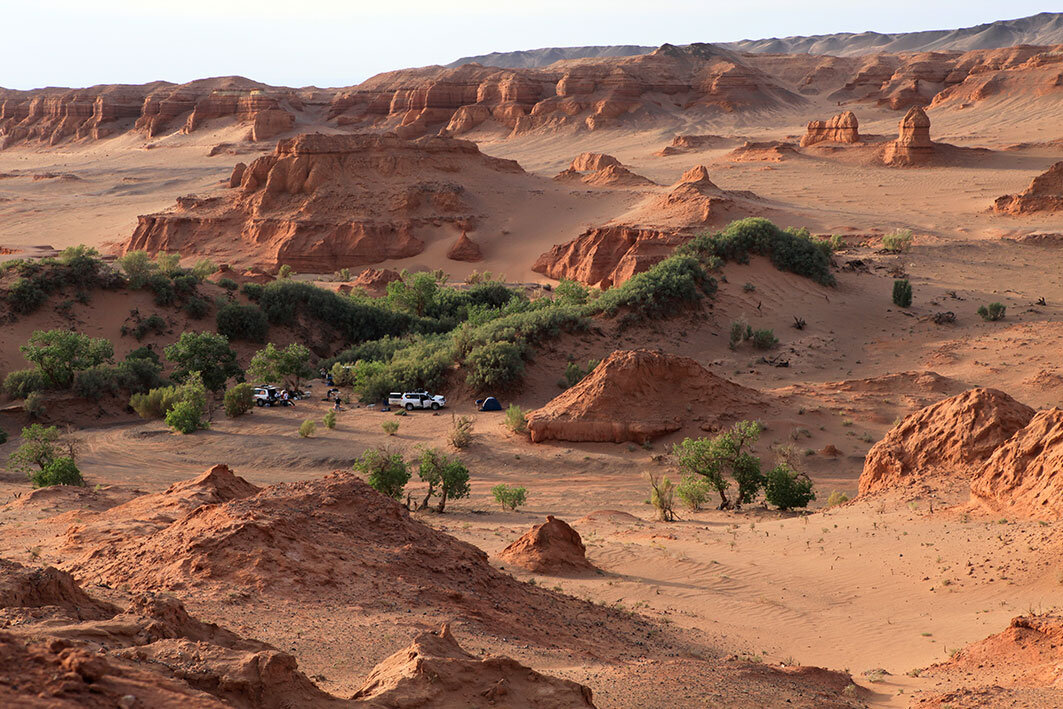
<point>137,266</point>
<point>385,472</point>
<point>60,471</point>
<point>168,264</point>
<point>185,417</point>
<point>274,366</point>
<point>510,498</point>
<point>207,353</point>
<point>39,458</point>
<point>447,477</point>
<point>59,354</point>
<point>694,491</point>
<point>243,322</point>
<point>414,293</point>
<point>713,458</point>
<point>239,400</point>
<point>495,364</point>
<point>786,488</point>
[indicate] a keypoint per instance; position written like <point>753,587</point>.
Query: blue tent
<point>489,404</point>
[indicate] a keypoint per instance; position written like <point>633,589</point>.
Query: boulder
<point>632,396</point>
<point>842,128</point>
<point>945,443</point>
<point>549,548</point>
<point>1045,194</point>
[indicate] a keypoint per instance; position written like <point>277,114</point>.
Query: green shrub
<point>253,291</point>
<point>3,436</point>
<point>285,271</point>
<point>60,471</point>
<point>137,266</point>
<point>185,417</point>
<point>390,427</point>
<point>239,400</point>
<point>196,307</point>
<point>787,489</point>
<point>228,284</point>
<point>330,419</point>
<point>494,365</point>
<point>460,435</point>
<point>155,403</point>
<point>307,428</point>
<point>385,472</point>
<point>516,419</point>
<point>168,264</point>
<point>713,458</point>
<point>446,477</point>
<point>837,498</point>
<point>242,322</point>
<point>510,498</point>
<point>571,292</point>
<point>740,332</point>
<point>162,289</point>
<point>39,448</point>
<point>207,353</point>
<point>902,293</point>
<point>694,491</point>
<point>995,311</point>
<point>203,268</point>
<point>23,382</point>
<point>25,296</point>
<point>34,406</point>
<point>59,354</point>
<point>153,323</point>
<point>654,292</point>
<point>574,373</point>
<point>898,241</point>
<point>764,339</point>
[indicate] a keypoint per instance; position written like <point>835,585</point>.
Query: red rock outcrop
<point>1024,476</point>
<point>694,201</point>
<point>691,143</point>
<point>601,170</point>
<point>913,145</point>
<point>630,396</point>
<point>321,202</point>
<point>944,444</point>
<point>376,280</point>
<point>549,548</point>
<point>434,671</point>
<point>592,162</point>
<point>1045,194</point>
<point>617,176</point>
<point>464,249</point>
<point>607,256</point>
<point>842,128</point>
<point>763,151</point>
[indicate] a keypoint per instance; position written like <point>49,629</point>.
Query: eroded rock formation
<point>320,202</point>
<point>842,128</point>
<point>763,151</point>
<point>464,249</point>
<point>629,397</point>
<point>548,548</point>
<point>607,256</point>
<point>913,145</point>
<point>1045,194</point>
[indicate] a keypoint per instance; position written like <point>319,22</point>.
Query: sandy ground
<point>891,583</point>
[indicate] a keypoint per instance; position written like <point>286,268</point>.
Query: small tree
<point>414,293</point>
<point>307,428</point>
<point>902,293</point>
<point>786,488</point>
<point>289,366</point>
<point>61,471</point>
<point>239,400</point>
<point>510,498</point>
<point>712,458</point>
<point>662,496</point>
<point>461,432</point>
<point>137,266</point>
<point>516,419</point>
<point>447,477</point>
<point>59,354</point>
<point>185,417</point>
<point>995,311</point>
<point>390,427</point>
<point>385,472</point>
<point>207,353</point>
<point>495,364</point>
<point>329,420</point>
<point>39,457</point>
<point>694,491</point>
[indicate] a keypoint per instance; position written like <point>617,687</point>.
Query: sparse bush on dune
<point>242,322</point>
<point>460,434</point>
<point>992,312</point>
<point>764,339</point>
<point>516,419</point>
<point>694,491</point>
<point>390,427</point>
<point>307,428</point>
<point>239,400</point>
<point>510,498</point>
<point>786,488</point>
<point>329,419</point>
<point>384,472</point>
<point>898,241</point>
<point>662,496</point>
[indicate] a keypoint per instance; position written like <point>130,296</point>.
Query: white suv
<point>416,400</point>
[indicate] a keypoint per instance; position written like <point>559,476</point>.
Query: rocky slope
<point>1045,194</point>
<point>321,202</point>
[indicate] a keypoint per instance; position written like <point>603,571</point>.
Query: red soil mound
<point>637,395</point>
<point>690,143</point>
<point>601,170</point>
<point>548,548</point>
<point>693,201</point>
<point>464,249</point>
<point>842,128</point>
<point>592,162</point>
<point>767,151</point>
<point>617,176</point>
<point>22,587</point>
<point>607,256</point>
<point>434,671</point>
<point>947,441</point>
<point>1025,474</point>
<point>320,202</point>
<point>1045,194</point>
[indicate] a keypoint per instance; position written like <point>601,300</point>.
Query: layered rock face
<point>608,255</point>
<point>1024,475</point>
<point>946,442</point>
<point>52,116</point>
<point>548,548</point>
<point>1045,194</point>
<point>842,128</point>
<point>322,202</point>
<point>913,145</point>
<point>630,397</point>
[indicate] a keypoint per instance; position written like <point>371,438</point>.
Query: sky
<point>343,42</point>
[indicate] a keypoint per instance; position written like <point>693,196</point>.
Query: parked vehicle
<point>269,395</point>
<point>416,400</point>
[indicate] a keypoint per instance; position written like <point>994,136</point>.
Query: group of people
<point>333,392</point>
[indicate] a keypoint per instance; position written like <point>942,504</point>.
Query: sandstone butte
<point>913,145</point>
<point>628,398</point>
<point>842,128</point>
<point>322,202</point>
<point>945,443</point>
<point>584,94</point>
<point>1045,194</point>
<point>552,547</point>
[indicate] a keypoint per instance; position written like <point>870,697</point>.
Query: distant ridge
<point>1045,28</point>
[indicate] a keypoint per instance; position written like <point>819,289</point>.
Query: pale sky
<point>343,42</point>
